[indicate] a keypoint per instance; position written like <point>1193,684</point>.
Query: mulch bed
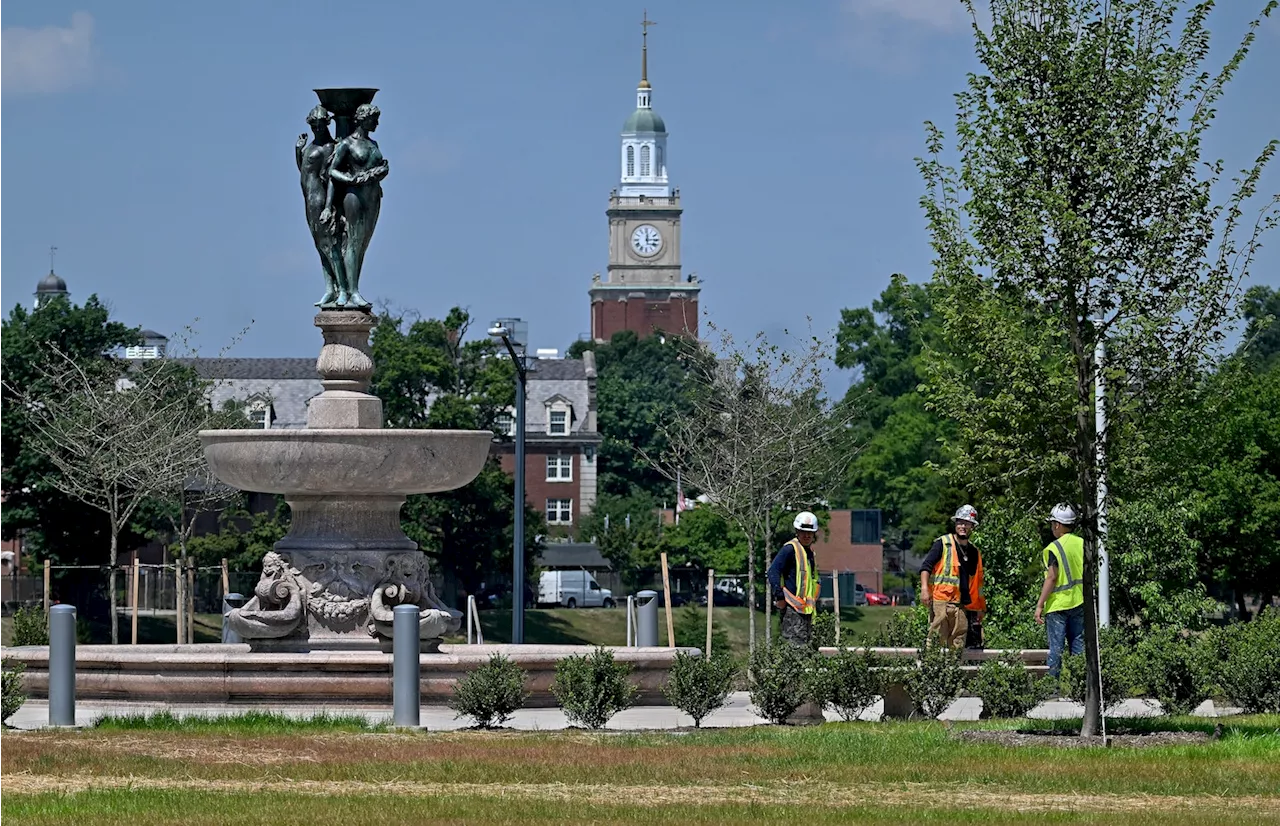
<point>1067,740</point>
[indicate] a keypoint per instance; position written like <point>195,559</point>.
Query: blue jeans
<point>1063,626</point>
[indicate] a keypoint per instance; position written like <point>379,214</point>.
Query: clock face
<point>646,240</point>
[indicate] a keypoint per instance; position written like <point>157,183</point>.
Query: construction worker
<point>951,581</point>
<point>794,577</point>
<point>1061,605</point>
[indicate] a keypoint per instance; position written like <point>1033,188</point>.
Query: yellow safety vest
<point>806,600</point>
<point>944,582</point>
<point>1068,554</point>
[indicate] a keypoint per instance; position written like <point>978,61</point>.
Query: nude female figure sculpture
<point>354,197</point>
<point>314,158</point>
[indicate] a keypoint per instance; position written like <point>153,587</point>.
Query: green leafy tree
<point>1262,331</point>
<point>429,375</point>
<point>625,529</point>
<point>640,384</point>
<point>1081,211</point>
<point>57,527</point>
<point>244,537</point>
<point>897,468</point>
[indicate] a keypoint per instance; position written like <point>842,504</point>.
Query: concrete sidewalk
<point>736,713</point>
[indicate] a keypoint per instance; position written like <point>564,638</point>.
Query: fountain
<point>320,619</point>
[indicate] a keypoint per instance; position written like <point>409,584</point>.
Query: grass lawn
<point>604,626</point>
<point>266,771</point>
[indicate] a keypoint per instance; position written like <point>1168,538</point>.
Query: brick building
<point>561,440</point>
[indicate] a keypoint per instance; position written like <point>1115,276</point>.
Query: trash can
<point>647,619</point>
<point>228,602</point>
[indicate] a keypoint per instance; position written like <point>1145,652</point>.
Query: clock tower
<point>644,289</point>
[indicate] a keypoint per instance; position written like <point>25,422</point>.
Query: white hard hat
<point>967,513</point>
<point>1063,513</point>
<point>805,521</point>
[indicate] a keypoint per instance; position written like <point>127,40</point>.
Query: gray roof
<point>563,378</point>
<point>227,368</point>
<point>572,555</point>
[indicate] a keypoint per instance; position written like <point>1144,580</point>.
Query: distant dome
<point>152,335</point>
<point>51,283</point>
<point>645,120</point>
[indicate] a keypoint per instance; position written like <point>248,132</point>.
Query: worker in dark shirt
<point>951,581</point>
<point>794,577</point>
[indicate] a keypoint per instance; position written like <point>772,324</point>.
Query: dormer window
<point>257,409</point>
<point>559,416</point>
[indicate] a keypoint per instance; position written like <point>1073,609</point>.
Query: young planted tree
<point>1081,212</point>
<point>757,436</point>
<point>118,435</point>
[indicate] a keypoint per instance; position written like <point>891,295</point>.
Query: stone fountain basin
<point>356,462</point>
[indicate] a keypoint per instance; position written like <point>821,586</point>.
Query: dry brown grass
<point>822,794</point>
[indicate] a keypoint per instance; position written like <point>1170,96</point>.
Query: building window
<point>864,527</point>
<point>505,423</point>
<point>631,161</point>
<point>559,468</point>
<point>660,169</point>
<point>558,424</point>
<point>644,161</point>
<point>559,511</point>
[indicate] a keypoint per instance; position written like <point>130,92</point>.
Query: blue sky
<point>152,143</point>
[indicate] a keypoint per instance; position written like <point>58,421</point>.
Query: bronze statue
<point>313,165</point>
<point>354,198</point>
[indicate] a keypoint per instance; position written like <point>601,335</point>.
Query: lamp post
<point>514,334</point>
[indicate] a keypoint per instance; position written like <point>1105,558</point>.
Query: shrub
<point>591,688</point>
<point>30,627</point>
<point>906,629</point>
<point>12,693</point>
<point>1168,671</point>
<point>1117,676</point>
<point>935,683</point>
<point>824,630</point>
<point>1006,688</point>
<point>699,685</point>
<point>777,680</point>
<point>492,693</point>
<point>847,681</point>
<point>1250,674</point>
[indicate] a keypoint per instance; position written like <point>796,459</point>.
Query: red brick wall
<point>836,552</point>
<point>643,316</point>
<point>537,490</point>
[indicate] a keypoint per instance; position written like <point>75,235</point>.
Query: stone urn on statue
<point>345,564</point>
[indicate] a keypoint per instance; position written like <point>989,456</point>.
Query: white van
<point>572,589</point>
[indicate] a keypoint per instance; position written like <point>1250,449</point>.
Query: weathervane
<point>53,251</point>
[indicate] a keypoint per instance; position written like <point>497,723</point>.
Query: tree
<point>1262,331</point>
<point>428,375</point>
<point>117,433</point>
<point>58,527</point>
<point>897,468</point>
<point>626,530</point>
<point>640,384</point>
<point>757,436</point>
<point>1081,212</point>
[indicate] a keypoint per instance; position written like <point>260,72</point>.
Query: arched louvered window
<point>644,161</point>
<point>631,161</point>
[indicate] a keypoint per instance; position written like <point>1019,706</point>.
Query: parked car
<point>874,598</point>
<point>724,599</point>
<point>859,594</point>
<point>572,589</point>
<point>902,596</point>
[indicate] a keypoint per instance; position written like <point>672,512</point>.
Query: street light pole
<point>505,330</point>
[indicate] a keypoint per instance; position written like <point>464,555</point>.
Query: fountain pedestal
<point>332,582</point>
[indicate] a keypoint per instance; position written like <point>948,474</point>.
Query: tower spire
<point>645,23</point>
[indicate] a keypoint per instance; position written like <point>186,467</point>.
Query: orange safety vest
<point>806,602</point>
<point>945,579</point>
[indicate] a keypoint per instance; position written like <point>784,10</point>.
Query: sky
<point>152,143</point>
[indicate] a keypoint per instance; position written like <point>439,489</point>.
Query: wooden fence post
<point>666,592</point>
<point>835,591</point>
<point>133,590</point>
<point>46,587</point>
<point>711,604</point>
